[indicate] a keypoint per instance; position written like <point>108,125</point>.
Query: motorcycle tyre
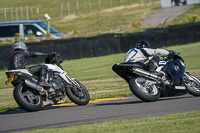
<point>22,102</point>
<point>74,99</point>
<point>140,94</point>
<point>192,91</point>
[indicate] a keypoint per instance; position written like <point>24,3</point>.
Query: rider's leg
<point>43,81</point>
<point>153,64</point>
<point>39,70</point>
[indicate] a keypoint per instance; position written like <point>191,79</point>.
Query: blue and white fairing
<point>161,64</point>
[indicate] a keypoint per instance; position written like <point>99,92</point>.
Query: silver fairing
<point>62,73</point>
<point>22,71</point>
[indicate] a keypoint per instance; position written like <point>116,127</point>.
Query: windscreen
<point>44,26</point>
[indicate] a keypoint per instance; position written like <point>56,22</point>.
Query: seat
<point>132,64</point>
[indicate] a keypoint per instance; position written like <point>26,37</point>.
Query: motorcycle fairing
<point>21,73</point>
<point>25,71</point>
<point>123,69</point>
<point>175,70</point>
<point>162,63</point>
<point>62,73</point>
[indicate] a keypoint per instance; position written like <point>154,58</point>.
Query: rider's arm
<point>34,54</point>
<point>157,52</point>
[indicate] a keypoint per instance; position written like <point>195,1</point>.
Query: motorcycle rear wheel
<point>150,94</point>
<point>193,85</point>
<point>78,95</point>
<point>27,98</point>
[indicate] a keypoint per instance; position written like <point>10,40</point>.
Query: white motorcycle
<point>30,96</point>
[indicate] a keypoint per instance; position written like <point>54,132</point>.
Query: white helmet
<point>19,45</point>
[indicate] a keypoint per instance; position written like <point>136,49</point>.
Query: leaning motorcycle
<point>30,96</point>
<point>170,79</point>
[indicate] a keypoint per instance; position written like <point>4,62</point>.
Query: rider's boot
<point>43,82</point>
<point>152,68</point>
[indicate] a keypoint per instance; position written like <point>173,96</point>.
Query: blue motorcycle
<point>170,79</point>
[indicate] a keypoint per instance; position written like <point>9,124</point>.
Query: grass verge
<point>177,123</point>
<point>106,19</point>
<point>184,18</point>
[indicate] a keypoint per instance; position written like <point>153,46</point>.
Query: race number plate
<point>9,80</point>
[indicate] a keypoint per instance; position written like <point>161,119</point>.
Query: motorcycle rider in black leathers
<point>19,58</point>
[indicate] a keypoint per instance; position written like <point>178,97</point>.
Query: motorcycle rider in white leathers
<point>146,55</point>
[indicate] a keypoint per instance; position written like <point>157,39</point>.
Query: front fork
<point>191,78</point>
<point>187,75</point>
<point>72,81</point>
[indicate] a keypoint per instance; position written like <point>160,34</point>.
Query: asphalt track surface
<point>63,116</point>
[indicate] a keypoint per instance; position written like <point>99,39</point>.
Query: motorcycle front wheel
<point>143,90</point>
<point>193,84</point>
<point>78,94</point>
<point>27,98</point>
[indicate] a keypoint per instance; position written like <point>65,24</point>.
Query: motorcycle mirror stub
<point>61,61</point>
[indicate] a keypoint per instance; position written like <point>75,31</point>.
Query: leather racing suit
<point>18,61</point>
<point>144,54</point>
<point>19,58</point>
<point>147,56</point>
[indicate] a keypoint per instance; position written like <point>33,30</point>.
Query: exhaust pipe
<point>34,85</point>
<point>147,74</point>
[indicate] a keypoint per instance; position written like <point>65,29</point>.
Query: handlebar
<point>172,56</point>
<point>53,54</point>
<point>52,58</point>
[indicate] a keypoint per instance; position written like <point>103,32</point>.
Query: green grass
<point>184,18</point>
<point>97,22</point>
<point>190,54</point>
<point>177,123</point>
<point>104,20</point>
<point>97,75</point>
<point>100,67</point>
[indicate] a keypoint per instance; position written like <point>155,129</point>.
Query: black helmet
<point>142,44</point>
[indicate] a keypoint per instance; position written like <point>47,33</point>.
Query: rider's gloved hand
<point>52,54</point>
<point>171,52</point>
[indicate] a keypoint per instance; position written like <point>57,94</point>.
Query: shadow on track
<point>177,97</point>
<point>24,111</point>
